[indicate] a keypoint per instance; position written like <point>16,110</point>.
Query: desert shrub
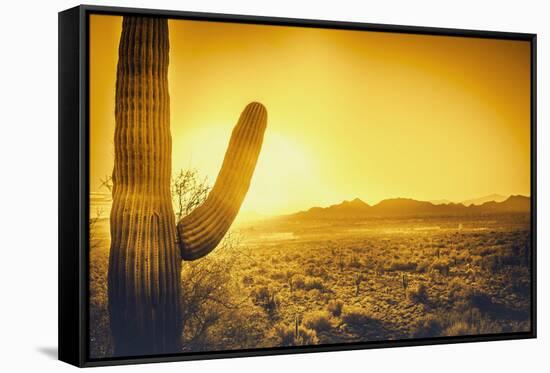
<point>287,258</point>
<point>323,273</point>
<point>427,326</point>
<point>248,280</point>
<point>289,274</point>
<point>289,279</point>
<point>278,276</point>
<point>491,263</point>
<point>355,262</point>
<point>463,257</point>
<point>266,298</point>
<point>314,270</point>
<point>442,266</point>
<point>520,285</point>
<point>511,256</point>
<point>422,266</point>
<point>471,274</point>
<point>318,321</point>
<point>460,327</point>
<point>100,336</point>
<point>461,295</point>
<point>298,282</point>
<point>356,317</point>
<point>335,307</point>
<point>476,260</point>
<point>479,300</point>
<point>500,241</point>
<point>261,281</point>
<point>369,264</point>
<point>310,270</point>
<point>381,268</point>
<point>471,322</point>
<point>317,295</point>
<point>486,251</point>
<point>311,283</point>
<point>455,287</point>
<point>306,336</point>
<point>213,315</point>
<point>285,335</point>
<point>418,293</point>
<point>402,265</point>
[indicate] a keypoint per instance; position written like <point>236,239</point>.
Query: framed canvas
<point>240,186</point>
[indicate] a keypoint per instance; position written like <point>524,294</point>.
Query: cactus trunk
<point>144,263</point>
<point>146,246</point>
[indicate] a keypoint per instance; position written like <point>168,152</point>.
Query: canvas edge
<point>70,193</point>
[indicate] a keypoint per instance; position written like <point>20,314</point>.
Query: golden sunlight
<point>350,114</point>
<point>320,132</point>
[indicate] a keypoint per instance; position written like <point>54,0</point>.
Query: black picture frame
<point>74,189</point>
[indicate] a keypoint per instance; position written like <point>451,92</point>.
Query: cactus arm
<point>202,230</point>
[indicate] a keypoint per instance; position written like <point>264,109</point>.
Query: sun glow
<point>281,159</point>
<point>350,114</point>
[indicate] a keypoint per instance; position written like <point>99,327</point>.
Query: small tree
<point>212,312</point>
<point>189,191</point>
<point>92,231</point>
<point>212,301</point>
<point>105,183</point>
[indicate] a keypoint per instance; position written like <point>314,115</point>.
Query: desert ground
<point>281,282</point>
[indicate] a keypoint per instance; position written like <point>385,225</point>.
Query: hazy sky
<point>350,114</point>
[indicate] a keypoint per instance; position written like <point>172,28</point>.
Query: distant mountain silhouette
<point>406,207</point>
<point>482,200</point>
<point>346,209</point>
<point>511,204</point>
<point>440,201</point>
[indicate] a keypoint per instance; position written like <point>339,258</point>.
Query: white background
<point>28,182</point>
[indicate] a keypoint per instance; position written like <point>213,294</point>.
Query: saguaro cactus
<point>146,246</point>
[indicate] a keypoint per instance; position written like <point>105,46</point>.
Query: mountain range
<point>406,207</point>
<point>473,201</point>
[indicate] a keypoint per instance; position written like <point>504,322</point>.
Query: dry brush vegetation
<point>294,283</point>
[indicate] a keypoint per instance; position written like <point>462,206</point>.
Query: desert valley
<point>348,273</point>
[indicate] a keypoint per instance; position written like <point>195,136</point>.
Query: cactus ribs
<point>147,246</point>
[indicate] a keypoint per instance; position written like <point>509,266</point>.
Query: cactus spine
<point>146,246</point>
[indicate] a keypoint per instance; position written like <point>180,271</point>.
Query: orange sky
<point>351,114</point>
